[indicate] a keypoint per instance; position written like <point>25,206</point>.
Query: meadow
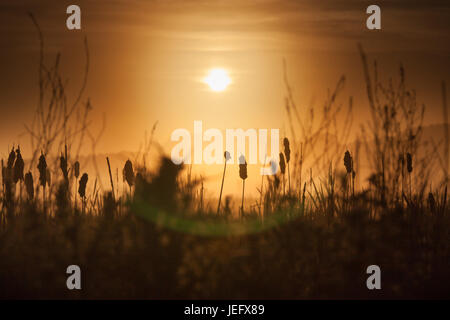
<point>308,236</point>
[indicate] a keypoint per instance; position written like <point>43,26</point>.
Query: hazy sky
<point>147,59</point>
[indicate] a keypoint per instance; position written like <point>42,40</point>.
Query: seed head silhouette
<point>287,149</point>
<point>409,165</point>
<point>42,167</point>
<point>82,185</point>
<point>63,166</point>
<point>18,167</point>
<point>128,173</point>
<point>282,164</point>
<point>76,169</point>
<point>348,162</point>
<point>29,185</point>
<point>242,167</point>
<point>11,158</point>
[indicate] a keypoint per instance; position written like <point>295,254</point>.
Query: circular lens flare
<point>217,79</point>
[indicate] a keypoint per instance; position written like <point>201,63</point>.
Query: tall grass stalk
<point>243,176</point>
<point>226,156</point>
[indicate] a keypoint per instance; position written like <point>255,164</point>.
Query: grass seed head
<point>242,167</point>
<point>76,169</point>
<point>18,167</point>
<point>128,173</point>
<point>11,159</point>
<point>42,167</point>
<point>348,162</point>
<point>82,185</point>
<point>63,166</point>
<point>287,149</point>
<point>409,162</point>
<point>282,163</point>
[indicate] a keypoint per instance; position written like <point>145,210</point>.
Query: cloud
<point>417,21</point>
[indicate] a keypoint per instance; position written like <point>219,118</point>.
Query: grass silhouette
<point>158,239</point>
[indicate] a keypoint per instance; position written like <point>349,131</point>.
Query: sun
<point>217,79</point>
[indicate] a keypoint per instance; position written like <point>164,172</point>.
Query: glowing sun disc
<point>217,79</point>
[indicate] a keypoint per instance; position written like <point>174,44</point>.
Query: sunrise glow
<point>217,79</point>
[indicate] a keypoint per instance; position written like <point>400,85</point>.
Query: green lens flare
<point>207,227</point>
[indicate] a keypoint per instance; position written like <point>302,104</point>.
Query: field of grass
<point>142,252</point>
